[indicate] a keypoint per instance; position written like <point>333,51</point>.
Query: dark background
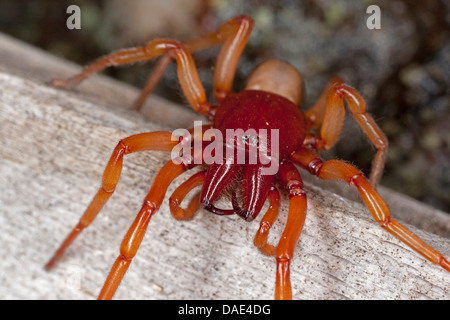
<point>402,70</point>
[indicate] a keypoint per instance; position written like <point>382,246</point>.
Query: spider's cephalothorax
<point>268,118</point>
<point>269,102</point>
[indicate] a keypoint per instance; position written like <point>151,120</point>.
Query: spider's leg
<point>136,232</point>
<point>329,112</point>
<point>178,195</point>
<point>260,240</point>
<point>187,72</point>
<point>339,170</point>
<point>316,113</point>
<point>159,140</point>
<point>120,57</point>
<point>155,76</point>
<point>294,225</point>
<point>233,34</point>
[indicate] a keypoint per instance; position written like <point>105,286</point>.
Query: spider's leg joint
<point>187,165</point>
<point>124,258</point>
<point>295,188</point>
<point>124,148</point>
<point>353,179</point>
<point>149,207</point>
<point>315,166</point>
<point>283,260</point>
<point>264,226</point>
<point>105,190</point>
<point>339,90</point>
<point>204,108</point>
<point>384,223</point>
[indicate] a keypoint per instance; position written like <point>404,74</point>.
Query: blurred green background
<point>402,70</point>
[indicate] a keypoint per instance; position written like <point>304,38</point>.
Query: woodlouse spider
<point>269,101</point>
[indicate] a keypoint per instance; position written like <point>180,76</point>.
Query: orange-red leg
<point>329,111</point>
<point>294,225</point>
<point>152,80</point>
<point>316,113</point>
<point>260,240</point>
<point>187,73</point>
<point>159,140</point>
<point>136,232</point>
<point>178,195</point>
<point>339,170</point>
<point>234,34</point>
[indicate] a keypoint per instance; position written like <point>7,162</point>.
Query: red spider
<point>269,101</point>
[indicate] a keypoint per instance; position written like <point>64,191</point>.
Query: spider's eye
<point>250,139</point>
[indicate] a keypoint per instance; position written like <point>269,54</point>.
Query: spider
<point>269,102</point>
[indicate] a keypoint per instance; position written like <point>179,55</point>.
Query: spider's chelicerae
<point>270,133</point>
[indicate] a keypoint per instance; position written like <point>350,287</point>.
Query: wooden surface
<point>55,144</point>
